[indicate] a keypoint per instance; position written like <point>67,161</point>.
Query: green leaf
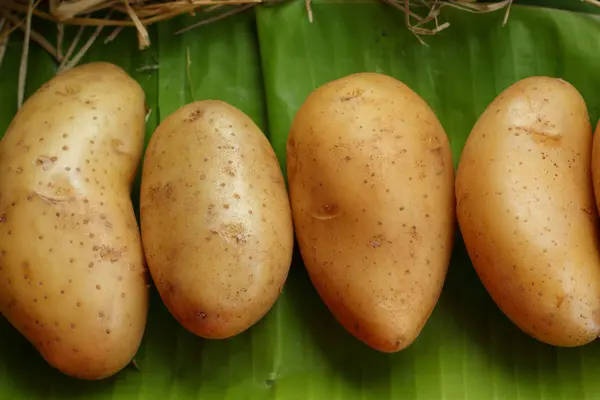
<point>468,349</point>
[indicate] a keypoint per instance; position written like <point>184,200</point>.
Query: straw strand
<point>24,57</point>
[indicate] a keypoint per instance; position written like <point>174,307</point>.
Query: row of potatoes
<point>372,198</point>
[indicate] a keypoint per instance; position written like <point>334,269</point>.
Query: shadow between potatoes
<point>355,362</point>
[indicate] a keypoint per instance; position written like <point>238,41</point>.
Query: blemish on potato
<point>374,244</point>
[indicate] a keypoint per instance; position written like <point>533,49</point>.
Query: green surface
<point>468,349</point>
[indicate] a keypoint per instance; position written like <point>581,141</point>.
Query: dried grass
<point>420,16</point>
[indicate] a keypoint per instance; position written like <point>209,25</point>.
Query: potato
<point>216,220</point>
<point>526,210</point>
<point>372,192</point>
<point>72,276</point>
<point>596,164</point>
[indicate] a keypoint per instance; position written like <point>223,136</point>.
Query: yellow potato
<point>596,164</point>
<point>216,221</point>
<point>72,276</point>
<point>372,193</point>
<point>526,210</point>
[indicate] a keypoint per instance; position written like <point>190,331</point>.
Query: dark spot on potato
<point>98,287</point>
<point>108,331</point>
<point>195,115</point>
<point>355,93</point>
<point>46,163</point>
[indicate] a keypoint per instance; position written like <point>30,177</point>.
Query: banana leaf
<point>266,65</point>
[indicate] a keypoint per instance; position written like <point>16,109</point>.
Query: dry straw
<point>420,16</point>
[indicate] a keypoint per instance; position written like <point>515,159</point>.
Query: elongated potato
<point>216,221</point>
<point>372,193</point>
<point>72,276</point>
<point>526,210</point>
<point>596,164</point>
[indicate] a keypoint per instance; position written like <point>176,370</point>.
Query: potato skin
<point>216,221</point>
<point>526,210</point>
<point>372,192</point>
<point>72,277</point>
<point>596,164</point>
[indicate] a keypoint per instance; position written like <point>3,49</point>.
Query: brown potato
<point>216,220</point>
<point>72,277</point>
<point>526,210</point>
<point>372,192</point>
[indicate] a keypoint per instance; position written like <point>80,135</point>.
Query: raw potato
<point>72,276</point>
<point>216,221</point>
<point>372,191</point>
<point>596,164</point>
<point>526,210</point>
